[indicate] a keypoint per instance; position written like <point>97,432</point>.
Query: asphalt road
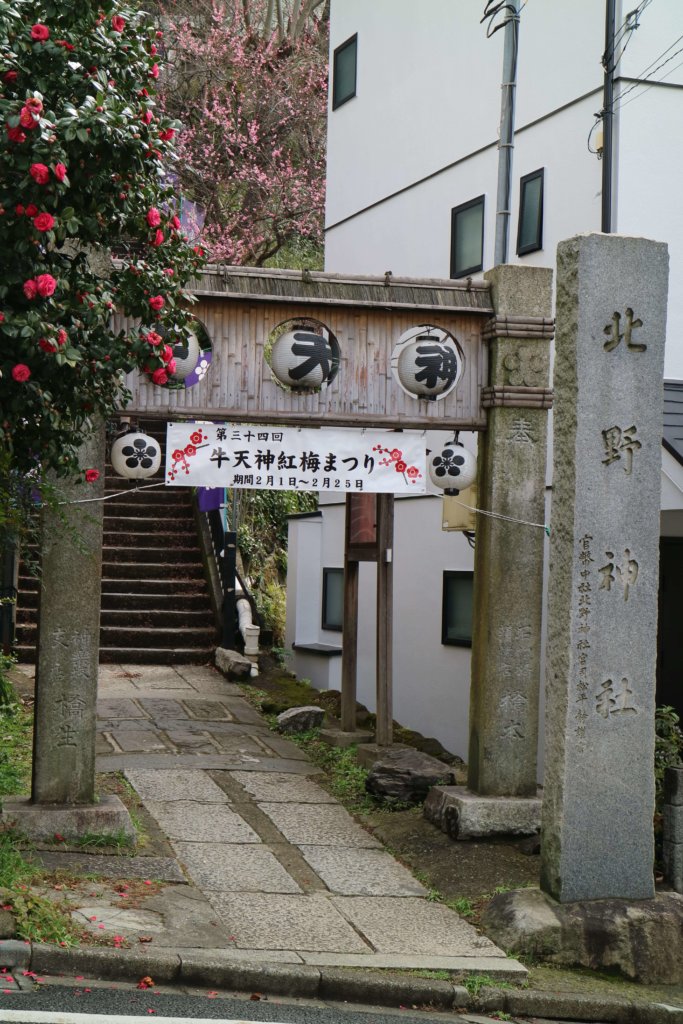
<point>111,1003</point>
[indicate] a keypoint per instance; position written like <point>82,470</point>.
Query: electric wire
<point>644,78</point>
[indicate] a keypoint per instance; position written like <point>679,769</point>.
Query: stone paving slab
<point>224,867</point>
<point>275,787</point>
<point>137,740</point>
<point>283,747</point>
<point>185,739</point>
<point>118,762</point>
<point>162,707</point>
<point>362,872</point>
<point>242,711</point>
<point>118,707</point>
<point>413,926</point>
<point>266,921</point>
<point>201,709</point>
<point>239,744</point>
<point>318,825</point>
<point>201,823</point>
<point>179,784</point>
<point>164,869</point>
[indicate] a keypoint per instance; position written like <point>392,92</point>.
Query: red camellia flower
<point>40,173</point>
<point>118,23</point>
<point>61,336</point>
<point>91,475</point>
<point>148,116</point>
<point>31,210</point>
<point>154,71</point>
<point>39,32</point>
<point>34,104</point>
<point>15,134</point>
<point>158,237</point>
<point>19,210</point>
<point>63,42</point>
<point>27,119</point>
<point>44,222</point>
<point>167,134</point>
<point>156,302</point>
<point>175,223</point>
<point>153,217</point>
<point>153,338</point>
<point>10,76</point>
<point>47,346</point>
<point>60,172</point>
<point>170,366</point>
<point>45,284</point>
<point>21,373</point>
<point>30,289</point>
<point>2,318</point>
<point>160,376</point>
<point>166,353</point>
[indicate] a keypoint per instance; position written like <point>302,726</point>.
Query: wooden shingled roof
<point>316,288</point>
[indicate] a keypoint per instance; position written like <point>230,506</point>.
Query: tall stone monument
<point>597,836</point>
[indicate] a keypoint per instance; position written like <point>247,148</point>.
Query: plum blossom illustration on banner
<point>394,457</point>
<point>181,455</point>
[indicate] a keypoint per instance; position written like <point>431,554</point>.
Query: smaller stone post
<point>501,797</point>
<point>63,785</point>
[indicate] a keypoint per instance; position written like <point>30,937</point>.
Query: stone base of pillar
<point>462,814</point>
<point>41,822</point>
<point>338,738</point>
<point>368,753</point>
<point>642,939</point>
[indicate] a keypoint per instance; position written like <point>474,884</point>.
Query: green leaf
<point>81,134</point>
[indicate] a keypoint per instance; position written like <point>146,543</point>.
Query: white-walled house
<point>415,92</point>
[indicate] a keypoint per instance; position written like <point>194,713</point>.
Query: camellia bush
<point>84,160</point>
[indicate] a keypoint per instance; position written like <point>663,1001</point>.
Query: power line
<point>646,73</point>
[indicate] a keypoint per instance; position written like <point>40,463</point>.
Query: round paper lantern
<point>453,468</point>
<point>301,358</point>
<point>135,455</point>
<point>429,365</point>
<point>186,352</point>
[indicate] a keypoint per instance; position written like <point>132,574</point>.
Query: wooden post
<point>349,644</point>
<point>385,578</point>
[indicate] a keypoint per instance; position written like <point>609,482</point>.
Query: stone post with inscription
<point>597,837</point>
<point>501,796</point>
<point>63,786</point>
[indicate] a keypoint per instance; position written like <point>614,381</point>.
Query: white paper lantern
<point>303,359</point>
<point>186,352</point>
<point>453,468</point>
<point>135,455</point>
<point>429,365</point>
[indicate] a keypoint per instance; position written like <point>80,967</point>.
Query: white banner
<point>295,459</point>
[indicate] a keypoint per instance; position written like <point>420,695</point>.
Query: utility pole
<point>507,132</point>
<point>608,116</point>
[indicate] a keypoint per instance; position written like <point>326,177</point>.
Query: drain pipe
<point>608,116</point>
<point>250,632</point>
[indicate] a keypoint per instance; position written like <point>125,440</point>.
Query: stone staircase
<point>155,602</point>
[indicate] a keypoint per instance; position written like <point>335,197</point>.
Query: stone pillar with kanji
<point>501,796</point>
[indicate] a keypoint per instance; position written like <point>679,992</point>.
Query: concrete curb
<point>349,985</point>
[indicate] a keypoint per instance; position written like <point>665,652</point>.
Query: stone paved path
<point>286,873</point>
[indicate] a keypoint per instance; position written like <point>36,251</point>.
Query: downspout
<point>507,133</point>
<point>608,116</point>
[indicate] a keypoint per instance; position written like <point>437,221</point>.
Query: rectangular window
<point>333,599</point>
<point>530,227</point>
<point>456,614</point>
<point>344,72</point>
<point>467,238</point>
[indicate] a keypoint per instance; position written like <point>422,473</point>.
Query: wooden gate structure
<point>243,309</point>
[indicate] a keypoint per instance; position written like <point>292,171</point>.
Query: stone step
<point>157,656</point>
<point>128,508</point>
<point>163,554</point>
<point>154,496</point>
<point>137,524</point>
<point>158,618</point>
<point>180,589</point>
<point>152,571</point>
<point>137,636</point>
<point>137,539</point>
<point>170,601</point>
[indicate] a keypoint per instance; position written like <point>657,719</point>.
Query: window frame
<point>523,250</point>
<point>327,572</point>
<point>447,575</point>
<point>336,101</point>
<point>455,212</point>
